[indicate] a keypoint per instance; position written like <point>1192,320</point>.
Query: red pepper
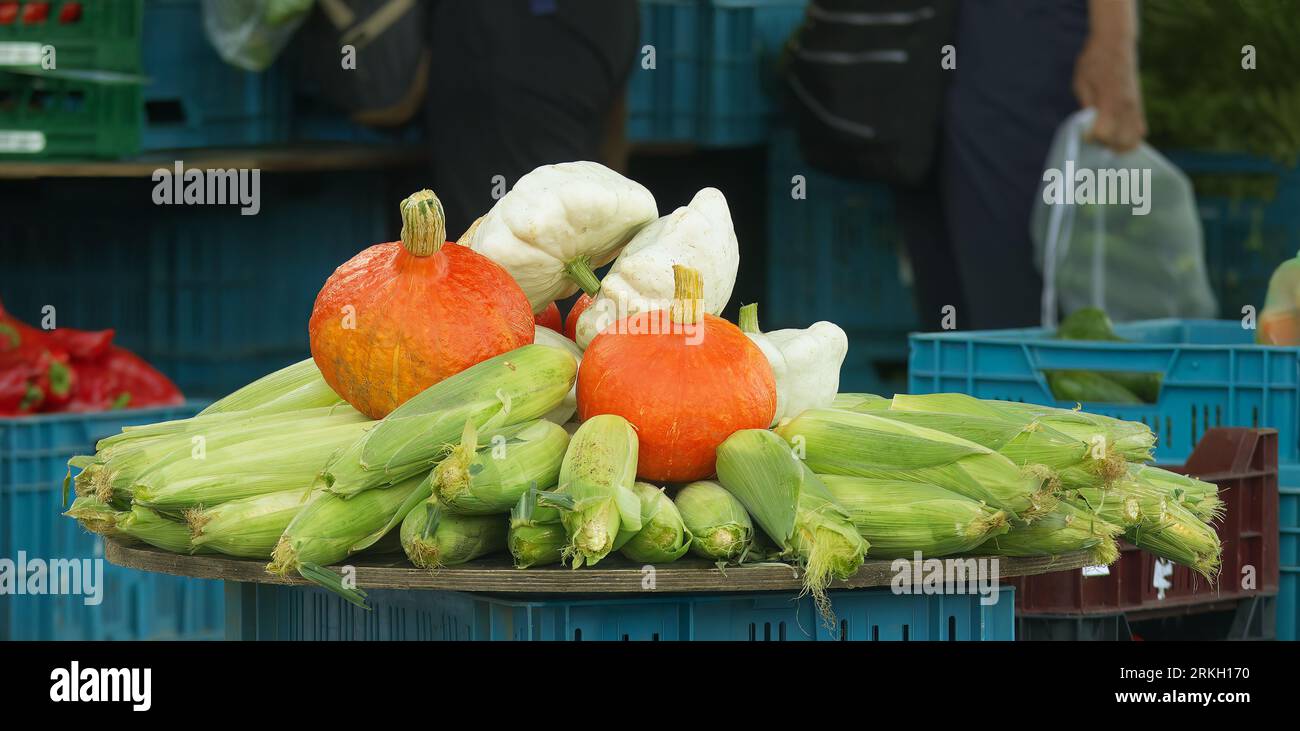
<point>81,344</point>
<point>18,393</point>
<point>120,379</point>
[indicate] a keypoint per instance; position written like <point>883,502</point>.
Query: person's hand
<point>1106,79</point>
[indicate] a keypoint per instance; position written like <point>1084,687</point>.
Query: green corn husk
<point>859,402</point>
<point>1024,442</point>
<point>900,518</point>
<point>512,388</point>
<point>720,527</point>
<point>288,461</point>
<point>1065,530</point>
<point>563,413</point>
<point>1181,538</point>
<point>248,528</point>
<point>536,536</point>
<point>663,537</point>
<point>94,515</point>
<point>291,388</point>
<point>330,528</point>
<point>1114,506</point>
<point>433,537</point>
<point>148,526</point>
<point>120,469</point>
<point>1056,438</point>
<point>597,475</point>
<point>1198,496</point>
<point>486,479</point>
<point>793,507</point>
<point>857,444</point>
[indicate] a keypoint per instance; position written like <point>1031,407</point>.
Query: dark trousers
<point>517,84</point>
<point>967,230</point>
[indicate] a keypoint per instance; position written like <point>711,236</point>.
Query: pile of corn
<point>284,471</point>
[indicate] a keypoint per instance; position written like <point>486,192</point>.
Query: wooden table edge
<point>496,576</point>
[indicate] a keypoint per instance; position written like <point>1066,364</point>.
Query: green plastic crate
<point>44,117</point>
<point>104,34</point>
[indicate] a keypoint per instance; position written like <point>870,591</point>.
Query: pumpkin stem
<point>579,270</point>
<point>688,295</point>
<point>748,320</point>
<point>424,229</point>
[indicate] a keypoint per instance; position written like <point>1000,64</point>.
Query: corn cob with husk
<point>536,535</point>
<point>601,511</point>
<point>1022,439</point>
<point>1127,439</point>
<point>1182,538</point>
<point>94,515</point>
<point>137,524</point>
<point>899,518</point>
<point>485,477</point>
<point>433,537</point>
<point>512,388</point>
<point>720,527</point>
<point>793,507</point>
<point>1198,496</point>
<point>115,471</point>
<point>248,528</point>
<point>1066,529</point>
<point>289,460</point>
<point>854,444</point>
<point>292,388</point>
<point>330,528</point>
<point>663,536</point>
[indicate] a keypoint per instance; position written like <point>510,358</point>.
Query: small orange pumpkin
<point>686,380</point>
<point>402,316</point>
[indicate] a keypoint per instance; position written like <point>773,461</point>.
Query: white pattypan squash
<point>558,223</point>
<point>699,235</point>
<point>806,363</point>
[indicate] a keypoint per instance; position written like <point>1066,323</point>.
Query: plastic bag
<point>1279,322</point>
<point>1118,232</point>
<point>251,33</point>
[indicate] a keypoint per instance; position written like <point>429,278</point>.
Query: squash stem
<point>424,227</point>
<point>579,270</point>
<point>748,320</point>
<point>688,295</point>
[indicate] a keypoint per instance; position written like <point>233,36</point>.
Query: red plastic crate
<point>1243,463</point>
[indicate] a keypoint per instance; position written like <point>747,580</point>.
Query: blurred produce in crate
<point>64,369</point>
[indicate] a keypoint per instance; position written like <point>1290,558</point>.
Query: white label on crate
<point>20,54</point>
<point>28,141</point>
<point>1096,571</point>
<point>1160,579</point>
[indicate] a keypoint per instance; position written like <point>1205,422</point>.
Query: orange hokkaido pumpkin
<point>400,317</point>
<point>550,317</point>
<point>686,380</point>
<point>571,322</point>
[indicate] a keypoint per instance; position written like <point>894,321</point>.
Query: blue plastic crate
<point>270,612</point>
<point>1246,236</point>
<point>194,98</point>
<point>663,102</point>
<point>33,461</point>
<point>1214,375</point>
<point>1288,607</point>
<point>212,298</point>
<point>833,254</point>
<point>744,39</point>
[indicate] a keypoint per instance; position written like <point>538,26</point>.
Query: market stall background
<point>214,302</point>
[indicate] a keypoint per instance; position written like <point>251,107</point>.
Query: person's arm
<point>1106,74</point>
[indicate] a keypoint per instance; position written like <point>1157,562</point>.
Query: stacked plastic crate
<point>705,70</point>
